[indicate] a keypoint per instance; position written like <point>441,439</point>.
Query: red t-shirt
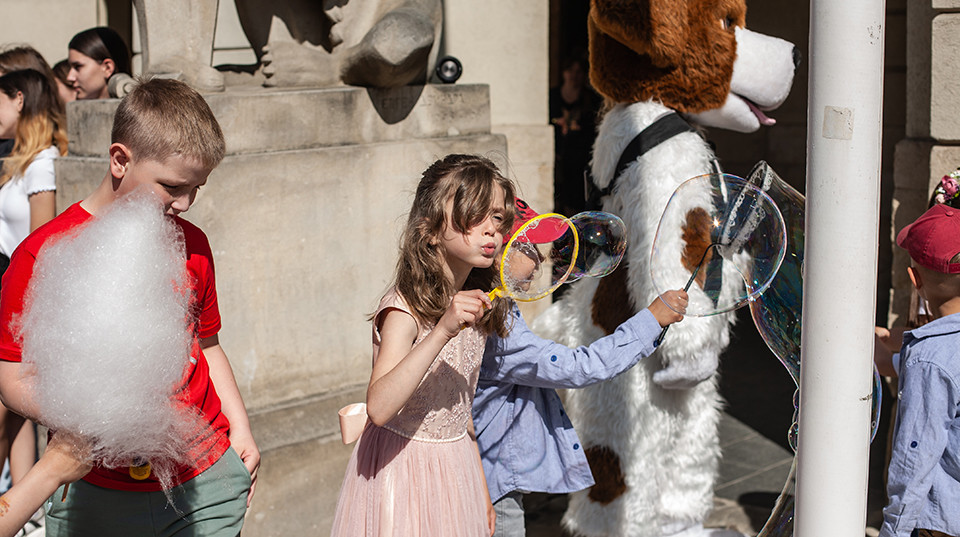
<point>197,389</point>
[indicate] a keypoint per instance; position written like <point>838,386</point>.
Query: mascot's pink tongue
<point>763,118</point>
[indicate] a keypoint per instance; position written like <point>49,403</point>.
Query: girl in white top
<point>32,115</point>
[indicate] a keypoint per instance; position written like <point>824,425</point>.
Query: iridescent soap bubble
<point>777,316</point>
<point>603,241</point>
<point>777,312</point>
<point>538,258</point>
<point>730,229</point>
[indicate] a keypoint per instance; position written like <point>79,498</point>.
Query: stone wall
<point>931,147</point>
<point>48,25</point>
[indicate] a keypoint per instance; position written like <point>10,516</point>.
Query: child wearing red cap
<point>923,483</point>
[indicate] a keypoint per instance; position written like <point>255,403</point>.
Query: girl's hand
<point>491,515</point>
<point>465,310</point>
<point>677,301</point>
<point>68,457</point>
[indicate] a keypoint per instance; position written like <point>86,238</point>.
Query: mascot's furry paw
<point>687,374</point>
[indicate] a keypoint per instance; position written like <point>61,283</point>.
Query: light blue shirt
<point>924,477</point>
<point>525,438</point>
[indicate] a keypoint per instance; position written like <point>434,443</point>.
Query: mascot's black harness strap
<point>665,127</point>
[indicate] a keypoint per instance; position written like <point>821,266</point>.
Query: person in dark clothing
<point>573,114</point>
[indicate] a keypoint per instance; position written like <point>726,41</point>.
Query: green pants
<point>211,504</point>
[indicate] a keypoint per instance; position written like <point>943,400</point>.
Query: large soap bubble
<point>603,241</point>
<point>777,316</point>
<point>725,221</point>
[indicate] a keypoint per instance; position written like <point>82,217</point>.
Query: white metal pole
<point>840,265</point>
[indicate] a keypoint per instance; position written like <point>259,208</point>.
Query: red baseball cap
<point>549,231</point>
<point>934,239</point>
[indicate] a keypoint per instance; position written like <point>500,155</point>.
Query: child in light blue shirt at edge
<point>923,482</point>
<point>526,440</point>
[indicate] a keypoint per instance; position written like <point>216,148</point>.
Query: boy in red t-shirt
<point>166,139</point>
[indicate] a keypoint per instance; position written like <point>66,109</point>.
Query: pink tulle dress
<point>419,475</point>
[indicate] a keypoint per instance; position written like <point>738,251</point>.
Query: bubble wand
<point>738,219</point>
<point>538,258</point>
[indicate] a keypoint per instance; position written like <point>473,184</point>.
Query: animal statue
<point>651,434</point>
<point>375,43</point>
<point>381,43</point>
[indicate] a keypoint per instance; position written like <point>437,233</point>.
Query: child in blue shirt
<point>923,483</point>
<point>526,440</point>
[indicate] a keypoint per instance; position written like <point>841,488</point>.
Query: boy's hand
<point>249,453</point>
<point>466,308</point>
<point>665,315</point>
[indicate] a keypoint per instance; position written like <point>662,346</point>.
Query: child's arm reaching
<point>64,461</point>
<point>525,359</point>
<point>400,365</point>
<point>664,308</point>
<point>231,404</point>
<point>887,344</point>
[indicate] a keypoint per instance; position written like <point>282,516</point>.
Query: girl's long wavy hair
<point>42,122</point>
<point>470,181</point>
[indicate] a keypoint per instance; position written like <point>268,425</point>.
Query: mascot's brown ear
<point>655,28</point>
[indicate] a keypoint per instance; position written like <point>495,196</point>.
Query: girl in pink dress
<point>416,469</point>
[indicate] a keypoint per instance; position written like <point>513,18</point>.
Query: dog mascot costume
<point>651,434</point>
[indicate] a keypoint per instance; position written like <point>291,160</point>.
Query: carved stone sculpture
<point>384,43</point>
<point>373,43</point>
<point>176,37</point>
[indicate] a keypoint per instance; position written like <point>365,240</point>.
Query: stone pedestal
<point>303,216</point>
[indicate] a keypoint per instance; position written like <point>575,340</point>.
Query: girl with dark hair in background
<point>94,56</point>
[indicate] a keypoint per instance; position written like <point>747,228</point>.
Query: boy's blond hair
<point>161,118</point>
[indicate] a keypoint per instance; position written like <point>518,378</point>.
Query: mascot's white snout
<point>762,78</point>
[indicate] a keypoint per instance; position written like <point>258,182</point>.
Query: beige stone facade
<point>931,147</point>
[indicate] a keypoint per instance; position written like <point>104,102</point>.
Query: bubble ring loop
<point>534,222</point>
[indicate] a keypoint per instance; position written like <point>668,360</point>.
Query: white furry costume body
<point>654,430</point>
<point>655,426</point>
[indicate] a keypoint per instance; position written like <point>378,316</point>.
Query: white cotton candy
<point>106,340</point>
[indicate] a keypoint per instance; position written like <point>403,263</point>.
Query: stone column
<point>932,146</point>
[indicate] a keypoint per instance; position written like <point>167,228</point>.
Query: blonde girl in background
<point>32,115</point>
<point>416,468</point>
